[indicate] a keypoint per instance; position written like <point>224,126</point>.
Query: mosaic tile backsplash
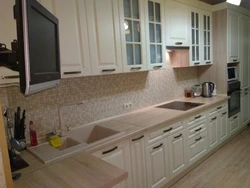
<point>102,96</point>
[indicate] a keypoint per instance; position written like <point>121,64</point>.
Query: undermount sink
<point>75,140</point>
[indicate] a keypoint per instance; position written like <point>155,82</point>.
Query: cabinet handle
<point>224,113</point>
<point>235,60</point>
<point>178,136</point>
<point>198,129</point>
<point>157,67</point>
<point>197,139</point>
<point>108,151</point>
<point>197,117</point>
<point>157,146</point>
<point>168,130</point>
<point>219,107</point>
<point>9,77</point>
<point>214,118</point>
<point>209,62</point>
<point>196,63</point>
<point>135,139</point>
<point>72,72</point>
<point>235,117</point>
<point>246,93</point>
<point>135,68</point>
<point>178,43</point>
<point>108,70</point>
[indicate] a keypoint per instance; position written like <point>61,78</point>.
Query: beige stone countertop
<point>131,124</point>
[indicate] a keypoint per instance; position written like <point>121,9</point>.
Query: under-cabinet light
<point>234,2</point>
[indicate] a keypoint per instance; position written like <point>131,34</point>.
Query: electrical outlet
<point>127,105</point>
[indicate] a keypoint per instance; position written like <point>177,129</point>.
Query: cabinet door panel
<point>212,132</point>
<point>223,133</point>
<point>103,29</point>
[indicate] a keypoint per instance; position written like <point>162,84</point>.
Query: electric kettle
<point>207,89</point>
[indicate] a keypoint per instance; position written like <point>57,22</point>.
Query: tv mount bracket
<point>8,58</point>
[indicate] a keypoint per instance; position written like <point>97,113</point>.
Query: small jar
<point>188,92</point>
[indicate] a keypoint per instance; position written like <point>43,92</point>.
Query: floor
<point>229,167</point>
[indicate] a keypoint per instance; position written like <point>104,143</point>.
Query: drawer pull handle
<point>197,117</point>
<point>108,151</point>
<point>9,77</point>
<point>214,118</point>
<point>108,70</point>
<point>197,139</point>
<point>178,43</point>
<point>178,136</point>
<point>196,63</point>
<point>135,139</point>
<point>135,68</point>
<point>234,59</point>
<point>235,117</point>
<point>157,67</point>
<point>198,129</point>
<point>209,62</point>
<point>157,146</point>
<point>224,113</point>
<point>73,72</point>
<point>168,130</point>
<point>219,107</point>
<point>246,93</point>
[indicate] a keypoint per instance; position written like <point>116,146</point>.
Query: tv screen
<point>38,53</point>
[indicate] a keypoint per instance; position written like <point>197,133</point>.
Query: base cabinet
<point>119,156</point>
<point>222,132</point>
<point>213,127</point>
<point>157,164</point>
<point>244,108</point>
<point>234,124</point>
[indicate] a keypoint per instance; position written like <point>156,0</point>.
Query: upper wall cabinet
<point>103,25</point>
<point>177,24</point>
<point>8,31</point>
<point>74,49</point>
<point>132,18</point>
<point>233,36</point>
<point>155,34</point>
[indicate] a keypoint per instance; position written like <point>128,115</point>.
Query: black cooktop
<point>179,105</point>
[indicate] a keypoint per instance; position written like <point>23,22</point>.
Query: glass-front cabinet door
<point>133,42</point>
<point>195,39</point>
<point>154,34</point>
<point>207,32</point>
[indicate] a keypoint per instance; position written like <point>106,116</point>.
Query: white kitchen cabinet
<point>103,25</point>
<point>138,161</point>
<point>233,124</point>
<point>74,43</point>
<point>119,156</point>
<point>132,19</point>
<point>222,120</point>
<point>155,34</point>
<point>244,108</point>
<point>8,31</point>
<point>207,38</point>
<point>157,164</point>
<point>177,24</point>
<point>233,36</point>
<point>212,130</point>
<point>244,52</point>
<point>197,147</point>
<point>177,153</point>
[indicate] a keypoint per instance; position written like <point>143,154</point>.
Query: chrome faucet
<point>60,106</point>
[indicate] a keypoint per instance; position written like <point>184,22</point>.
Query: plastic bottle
<point>33,137</point>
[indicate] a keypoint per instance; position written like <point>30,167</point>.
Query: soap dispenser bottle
<point>33,137</point>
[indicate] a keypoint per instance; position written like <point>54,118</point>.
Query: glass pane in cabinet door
<point>205,38</point>
<point>193,53</point>
<point>192,19</point>
<point>197,37</point>
<point>193,36</point>
<point>205,53</point>
<point>130,57</point>
<point>197,53</point>
<point>152,54</point>
<point>208,22</point>
<point>150,11</point>
<point>197,20</point>
<point>136,31</point>
<point>158,33</point>
<point>208,52</point>
<point>157,12</point>
<point>205,22</point>
<point>208,38</point>
<point>152,32</point>
<point>128,30</point>
<point>137,54</point>
<point>127,12</point>
<point>159,54</point>
<point>135,9</point>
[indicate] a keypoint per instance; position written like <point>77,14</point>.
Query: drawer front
<point>161,132</point>
<point>196,118</point>
<point>216,109</point>
<point>196,129</point>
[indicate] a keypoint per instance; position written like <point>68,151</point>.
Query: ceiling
<point>244,3</point>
